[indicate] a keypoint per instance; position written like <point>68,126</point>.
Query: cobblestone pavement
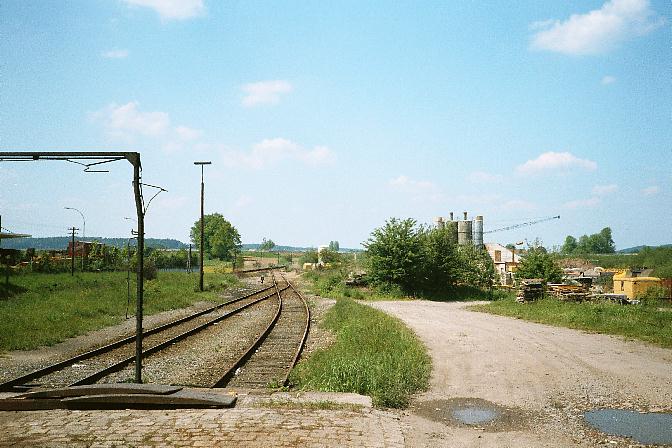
<point>239,427</point>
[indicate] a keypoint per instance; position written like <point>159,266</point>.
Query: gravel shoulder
<point>543,377</point>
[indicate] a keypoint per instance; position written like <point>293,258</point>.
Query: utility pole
<point>200,279</point>
<point>72,268</point>
<point>83,230</point>
<point>189,260</point>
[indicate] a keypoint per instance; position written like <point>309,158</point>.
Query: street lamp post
<point>83,233</point>
<point>200,280</point>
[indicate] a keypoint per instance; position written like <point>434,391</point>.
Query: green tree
<point>395,254</point>
<point>333,246</point>
<point>570,245</point>
<point>309,256</point>
<point>330,256</point>
<point>597,243</point>
<point>538,263</point>
<point>441,264</point>
<point>266,245</point>
<point>476,267</point>
<point>221,238</point>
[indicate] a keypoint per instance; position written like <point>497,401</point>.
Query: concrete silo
<point>464,231</point>
<point>438,221</point>
<point>452,227</point>
<point>478,232</point>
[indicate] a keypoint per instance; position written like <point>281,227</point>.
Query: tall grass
<point>645,322</point>
<point>374,354</point>
<point>44,309</point>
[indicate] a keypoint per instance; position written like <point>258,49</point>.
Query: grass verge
<point>44,309</point>
<point>644,322</point>
<point>374,354</point>
<point>323,405</point>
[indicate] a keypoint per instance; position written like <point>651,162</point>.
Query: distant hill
<point>61,243</point>
<point>637,249</point>
<point>255,246</point>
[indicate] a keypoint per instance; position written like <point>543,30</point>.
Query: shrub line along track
<point>274,353</point>
<point>20,383</point>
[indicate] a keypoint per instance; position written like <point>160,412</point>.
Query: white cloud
<point>265,92</point>
<point>478,199</point>
<point>171,9</point>
<point>420,190</point>
<point>188,134</point>
<point>608,80</point>
<point>274,150</point>
<point>598,30</point>
<point>650,191</point>
<point>555,161</point>
<point>408,185</point>
<point>583,203</point>
<point>517,204</point>
<point>115,54</point>
<point>128,121</point>
<point>484,177</point>
<point>243,201</point>
<point>603,190</point>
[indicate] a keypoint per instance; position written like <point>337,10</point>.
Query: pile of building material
<point>530,290</point>
<point>569,292</point>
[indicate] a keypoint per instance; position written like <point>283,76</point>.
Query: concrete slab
<point>178,400</point>
<point>102,389</point>
<point>11,404</point>
<point>255,399</point>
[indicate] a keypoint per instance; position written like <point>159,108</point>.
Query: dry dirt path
<point>540,378</point>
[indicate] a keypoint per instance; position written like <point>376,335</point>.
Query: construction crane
<point>524,224</point>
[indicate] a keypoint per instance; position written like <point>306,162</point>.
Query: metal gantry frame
<point>95,159</point>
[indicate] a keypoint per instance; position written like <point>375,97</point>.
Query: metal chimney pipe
<point>465,216</point>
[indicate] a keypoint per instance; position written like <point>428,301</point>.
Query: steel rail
<point>150,351</point>
<point>248,271</point>
<point>11,384</point>
<point>305,332</point>
<point>229,374</point>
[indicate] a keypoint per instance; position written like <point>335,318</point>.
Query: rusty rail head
<point>229,374</point>
<point>305,332</point>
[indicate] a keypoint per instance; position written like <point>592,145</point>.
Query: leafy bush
<point>540,264</point>
<point>310,256</point>
<point>653,295</point>
<point>424,260</point>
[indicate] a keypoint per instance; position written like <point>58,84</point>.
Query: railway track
<point>271,357</point>
<point>90,367</point>
<point>259,342</point>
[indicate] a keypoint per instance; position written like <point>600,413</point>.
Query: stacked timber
<point>530,290</point>
<point>570,293</point>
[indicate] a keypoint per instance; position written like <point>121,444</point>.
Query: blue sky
<point>324,119</point>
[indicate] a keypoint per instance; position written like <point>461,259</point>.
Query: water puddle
<point>649,428</point>
<point>471,415</point>
<point>473,412</point>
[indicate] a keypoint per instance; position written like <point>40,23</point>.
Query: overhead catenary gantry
<point>94,159</point>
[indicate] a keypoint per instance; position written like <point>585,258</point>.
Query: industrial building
<point>634,284</point>
<point>463,231</point>
<point>505,260</point>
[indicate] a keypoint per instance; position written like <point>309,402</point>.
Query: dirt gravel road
<point>540,379</point>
